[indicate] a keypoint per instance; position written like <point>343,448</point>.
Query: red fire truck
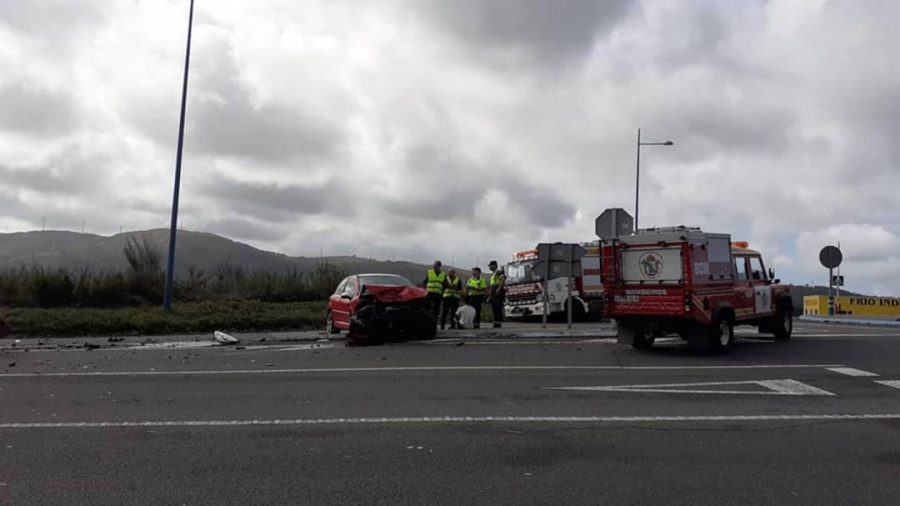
<point>524,289</point>
<point>698,285</point>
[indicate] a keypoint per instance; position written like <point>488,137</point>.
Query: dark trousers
<point>451,304</point>
<point>476,301</point>
<point>497,307</point>
<point>434,300</point>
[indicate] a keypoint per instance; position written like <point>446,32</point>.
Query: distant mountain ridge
<point>194,250</point>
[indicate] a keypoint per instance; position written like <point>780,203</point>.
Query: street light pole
<point>637,182</point>
<point>637,177</point>
<point>170,267</point>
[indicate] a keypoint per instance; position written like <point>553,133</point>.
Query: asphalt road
<point>572,420</point>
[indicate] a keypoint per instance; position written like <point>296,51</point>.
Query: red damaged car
<point>375,308</point>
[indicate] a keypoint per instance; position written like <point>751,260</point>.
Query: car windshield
<point>384,280</point>
<point>520,272</point>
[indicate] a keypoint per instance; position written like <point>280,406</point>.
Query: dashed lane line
<point>434,420</point>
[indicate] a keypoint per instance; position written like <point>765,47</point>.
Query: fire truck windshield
<point>520,272</point>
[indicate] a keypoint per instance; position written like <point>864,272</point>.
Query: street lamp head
<point>668,143</point>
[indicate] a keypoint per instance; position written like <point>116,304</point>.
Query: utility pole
<point>167,297</point>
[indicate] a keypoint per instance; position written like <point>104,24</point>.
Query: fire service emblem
<point>651,265</point>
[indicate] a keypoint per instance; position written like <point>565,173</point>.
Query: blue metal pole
<point>167,298</point>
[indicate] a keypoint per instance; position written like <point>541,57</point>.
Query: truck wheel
<point>643,337</point>
<point>783,325</point>
<point>721,333</point>
<point>329,325</point>
<point>578,312</point>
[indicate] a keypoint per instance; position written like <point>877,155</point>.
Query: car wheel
<point>329,324</point>
<point>643,337</point>
<point>783,326</point>
<point>721,333</point>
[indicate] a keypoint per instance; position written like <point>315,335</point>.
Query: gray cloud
<point>52,19</point>
<point>224,118</point>
<point>272,202</point>
<point>66,172</point>
<point>29,109</point>
<point>446,186</point>
<point>542,206</point>
<point>450,187</point>
<point>546,30</point>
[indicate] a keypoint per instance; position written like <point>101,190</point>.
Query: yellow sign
<point>860,306</point>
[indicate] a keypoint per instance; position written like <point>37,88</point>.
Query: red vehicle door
<point>342,302</point>
<point>743,291</point>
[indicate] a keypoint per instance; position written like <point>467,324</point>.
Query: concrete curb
<point>849,321</point>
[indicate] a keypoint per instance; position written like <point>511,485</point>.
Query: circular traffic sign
<point>830,257</point>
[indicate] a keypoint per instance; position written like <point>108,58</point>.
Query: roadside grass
<point>185,318</point>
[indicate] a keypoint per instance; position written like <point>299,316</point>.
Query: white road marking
<point>889,383</point>
<point>454,419</point>
<point>774,387</point>
<point>871,334</point>
<point>849,371</point>
<point>418,369</point>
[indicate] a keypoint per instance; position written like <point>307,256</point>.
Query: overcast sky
<point>464,129</point>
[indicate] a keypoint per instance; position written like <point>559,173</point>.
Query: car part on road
<point>223,338</point>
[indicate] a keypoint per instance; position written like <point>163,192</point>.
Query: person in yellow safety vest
<point>452,295</point>
<point>434,283</point>
<point>498,292</point>
<point>475,294</point>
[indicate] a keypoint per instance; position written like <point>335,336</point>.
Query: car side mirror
<point>771,273</point>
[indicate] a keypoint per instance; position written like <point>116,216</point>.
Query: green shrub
<point>185,318</point>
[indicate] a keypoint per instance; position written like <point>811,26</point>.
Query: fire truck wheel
<point>783,326</point>
<point>643,337</point>
<point>578,312</point>
<point>721,333</point>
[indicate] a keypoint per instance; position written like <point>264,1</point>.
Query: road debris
<point>223,338</point>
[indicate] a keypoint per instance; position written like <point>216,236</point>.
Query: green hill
<point>195,250</point>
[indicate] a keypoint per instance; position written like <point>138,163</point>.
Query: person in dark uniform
<point>475,294</point>
<point>452,295</point>
<point>498,292</point>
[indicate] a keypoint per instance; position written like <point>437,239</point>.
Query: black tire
<point>578,312</point>
<point>329,325</point>
<point>721,333</point>
<point>643,337</point>
<point>783,323</point>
